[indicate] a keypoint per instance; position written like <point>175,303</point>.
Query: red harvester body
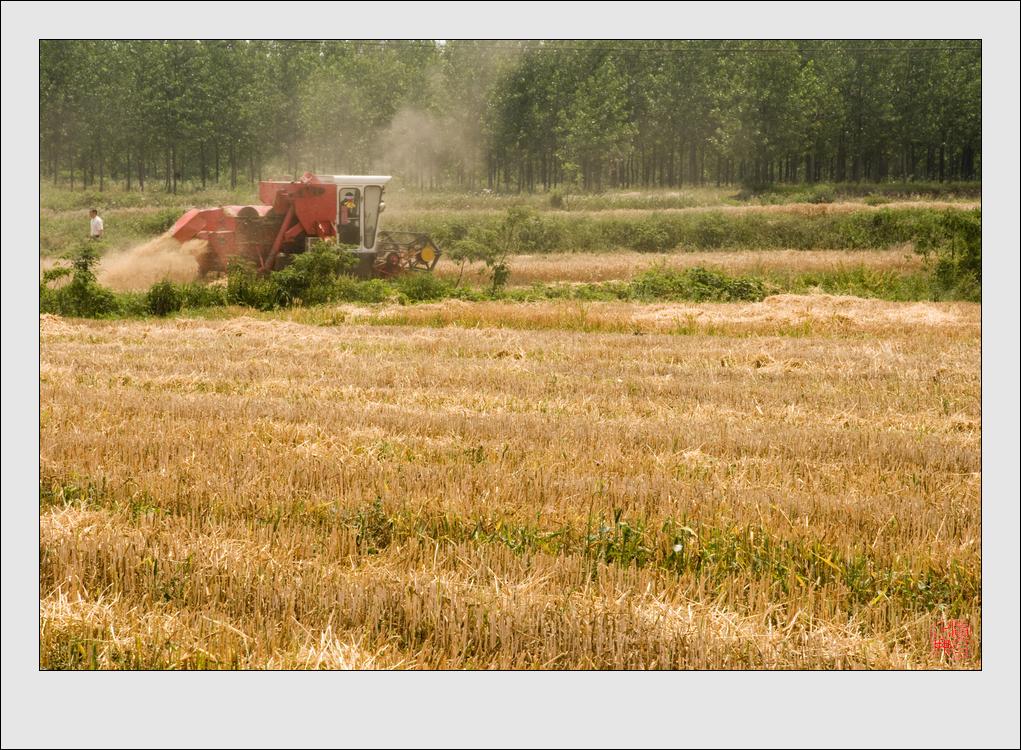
<point>342,208</point>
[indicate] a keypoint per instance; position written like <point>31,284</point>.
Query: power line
<point>555,46</point>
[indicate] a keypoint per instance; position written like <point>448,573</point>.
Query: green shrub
<point>822,194</point>
<point>246,287</point>
<point>422,287</point>
<point>652,235</point>
<point>955,241</point>
<point>196,295</point>
<point>310,276</point>
<point>82,296</point>
<point>449,232</point>
<point>697,284</point>
<point>711,231</point>
<point>85,299</point>
<point>163,298</point>
<point>484,235</point>
<point>132,304</point>
<point>529,232</point>
<point>157,223</point>
<point>347,289</point>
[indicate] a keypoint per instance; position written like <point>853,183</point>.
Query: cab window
<point>348,216</point>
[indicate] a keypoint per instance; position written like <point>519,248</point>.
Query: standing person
<point>95,225</point>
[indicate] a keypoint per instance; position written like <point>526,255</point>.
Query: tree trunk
<point>968,162</point>
<point>841,167</point>
<point>141,170</point>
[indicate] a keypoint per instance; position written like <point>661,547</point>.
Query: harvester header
<point>342,208</point>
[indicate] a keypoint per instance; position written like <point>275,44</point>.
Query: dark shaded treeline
<point>510,115</point>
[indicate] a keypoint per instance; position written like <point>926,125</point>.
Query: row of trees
<point>510,115</point>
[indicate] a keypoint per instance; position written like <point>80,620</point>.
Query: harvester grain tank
<point>341,208</point>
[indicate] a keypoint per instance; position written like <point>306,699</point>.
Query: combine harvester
<point>342,208</point>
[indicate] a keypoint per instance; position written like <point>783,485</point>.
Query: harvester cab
<point>341,208</point>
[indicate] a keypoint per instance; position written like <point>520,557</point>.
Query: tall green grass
<point>710,230</point>
<point>133,217</point>
<point>246,289</point>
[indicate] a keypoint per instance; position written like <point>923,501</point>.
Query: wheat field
<point>624,265</point>
<point>785,484</point>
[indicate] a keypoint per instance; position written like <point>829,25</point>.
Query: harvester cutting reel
<point>402,252</point>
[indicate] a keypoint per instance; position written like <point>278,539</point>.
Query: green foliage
<point>519,230</point>
<point>374,527</point>
<point>422,287</point>
<point>485,236</point>
<point>954,243</point>
<point>714,553</point>
<point>652,234</point>
<point>517,116</point>
<point>156,223</point>
<point>247,288</point>
<point>526,231</point>
<point>860,281</point>
<point>711,231</point>
<point>81,296</point>
<point>314,278</point>
<point>347,289</point>
<point>132,304</point>
<point>163,298</point>
<point>310,277</point>
<point>196,295</point>
<point>697,284</point>
<point>84,260</point>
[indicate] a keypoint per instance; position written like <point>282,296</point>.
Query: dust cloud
<point>418,144</point>
<point>142,266</point>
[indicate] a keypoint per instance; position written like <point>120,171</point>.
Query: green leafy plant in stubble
<point>719,553</point>
<point>374,527</point>
<point>81,295</point>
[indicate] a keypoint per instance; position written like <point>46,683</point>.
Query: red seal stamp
<point>952,638</point>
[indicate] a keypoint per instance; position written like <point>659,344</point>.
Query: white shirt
<point>97,227</point>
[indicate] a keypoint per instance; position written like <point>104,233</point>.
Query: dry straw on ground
<point>788,484</point>
<point>594,267</point>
